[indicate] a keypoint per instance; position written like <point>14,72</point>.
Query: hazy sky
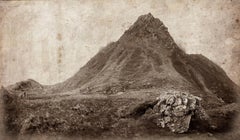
<point>50,40</point>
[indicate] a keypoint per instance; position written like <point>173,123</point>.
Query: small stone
<point>192,104</point>
<point>210,134</point>
<point>185,101</point>
<point>178,102</point>
<point>167,119</point>
<point>179,110</point>
<point>167,111</point>
<point>163,108</point>
<point>170,101</point>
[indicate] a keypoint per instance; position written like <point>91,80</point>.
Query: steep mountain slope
<point>208,76</point>
<point>146,56</point>
<point>141,55</point>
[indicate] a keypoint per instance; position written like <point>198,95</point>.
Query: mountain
<point>141,55</point>
<point>146,56</point>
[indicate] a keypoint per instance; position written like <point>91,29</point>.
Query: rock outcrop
<point>175,110</point>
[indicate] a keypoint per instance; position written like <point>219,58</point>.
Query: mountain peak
<point>146,17</point>
<point>147,20</point>
<point>145,25</point>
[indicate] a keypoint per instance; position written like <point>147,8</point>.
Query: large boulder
<point>174,110</point>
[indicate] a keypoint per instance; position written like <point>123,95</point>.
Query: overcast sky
<point>50,40</point>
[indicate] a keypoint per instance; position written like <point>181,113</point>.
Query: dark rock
<point>175,109</point>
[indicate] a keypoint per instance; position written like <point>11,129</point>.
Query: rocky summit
<point>141,85</point>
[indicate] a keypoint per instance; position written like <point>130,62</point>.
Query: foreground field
<point>78,115</point>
